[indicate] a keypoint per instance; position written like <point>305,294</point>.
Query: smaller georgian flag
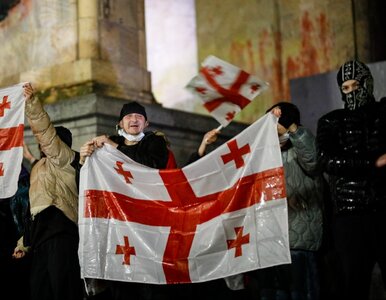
<point>225,89</point>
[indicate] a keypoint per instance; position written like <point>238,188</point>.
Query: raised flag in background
<point>222,215</point>
<point>11,138</point>
<point>224,88</point>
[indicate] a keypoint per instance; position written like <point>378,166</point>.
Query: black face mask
<point>356,70</point>
<point>355,99</point>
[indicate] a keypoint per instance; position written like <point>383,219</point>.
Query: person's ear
<point>146,124</point>
<point>119,126</point>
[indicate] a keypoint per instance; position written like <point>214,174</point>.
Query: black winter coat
<point>349,142</point>
<point>151,151</point>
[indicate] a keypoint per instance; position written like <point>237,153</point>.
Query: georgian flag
<point>224,88</point>
<point>11,138</point>
<point>222,215</point>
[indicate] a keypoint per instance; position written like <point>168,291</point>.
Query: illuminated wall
<point>171,51</point>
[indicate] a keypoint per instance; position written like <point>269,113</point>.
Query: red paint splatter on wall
<point>271,70</point>
<point>315,48</point>
<point>325,40</point>
<point>277,68</point>
<point>292,67</point>
<point>262,46</point>
<point>237,53</point>
<point>313,56</point>
<point>251,60</point>
<point>308,52</point>
<point>276,81</point>
<point>242,55</point>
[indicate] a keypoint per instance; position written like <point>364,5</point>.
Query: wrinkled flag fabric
<point>225,89</point>
<point>12,106</point>
<point>222,215</point>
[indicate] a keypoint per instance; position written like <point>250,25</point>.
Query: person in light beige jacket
<point>53,235</point>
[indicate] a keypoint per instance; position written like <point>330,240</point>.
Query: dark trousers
<point>143,291</point>
<point>214,289</point>
<point>305,281</point>
<point>55,272</point>
<point>360,242</point>
<point>296,281</point>
<point>12,271</point>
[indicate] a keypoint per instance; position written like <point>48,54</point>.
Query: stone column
<point>77,47</point>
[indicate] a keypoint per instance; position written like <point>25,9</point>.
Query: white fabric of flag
<point>12,106</point>
<point>224,88</point>
<point>222,215</point>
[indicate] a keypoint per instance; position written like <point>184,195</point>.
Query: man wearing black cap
<point>350,140</point>
<point>54,237</point>
<point>150,149</point>
<point>304,189</point>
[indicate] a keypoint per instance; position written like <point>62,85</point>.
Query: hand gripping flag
<point>224,88</point>
<point>11,138</point>
<point>222,215</point>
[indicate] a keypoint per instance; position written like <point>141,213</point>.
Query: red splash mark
<point>314,56</point>
<point>251,59</point>
<point>308,52</point>
<point>277,68</point>
<point>237,54</point>
<point>272,70</point>
<point>263,45</point>
<point>292,67</point>
<point>241,54</point>
<point>324,39</point>
<point>292,71</point>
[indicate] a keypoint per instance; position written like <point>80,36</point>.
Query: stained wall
<point>281,40</point>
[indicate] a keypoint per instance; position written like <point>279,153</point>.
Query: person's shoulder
<point>155,135</point>
<point>382,102</point>
<point>333,114</point>
<point>154,139</point>
<point>378,107</point>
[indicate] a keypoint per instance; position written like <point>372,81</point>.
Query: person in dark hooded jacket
<point>304,192</point>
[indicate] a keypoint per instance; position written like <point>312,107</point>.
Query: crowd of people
<point>335,190</point>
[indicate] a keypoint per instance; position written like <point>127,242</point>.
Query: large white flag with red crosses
<point>222,215</point>
<point>11,138</point>
<point>225,89</point>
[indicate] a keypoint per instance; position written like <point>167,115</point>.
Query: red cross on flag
<point>222,215</point>
<point>225,89</point>
<point>11,138</point>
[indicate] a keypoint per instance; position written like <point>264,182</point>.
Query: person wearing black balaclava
<point>349,141</point>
